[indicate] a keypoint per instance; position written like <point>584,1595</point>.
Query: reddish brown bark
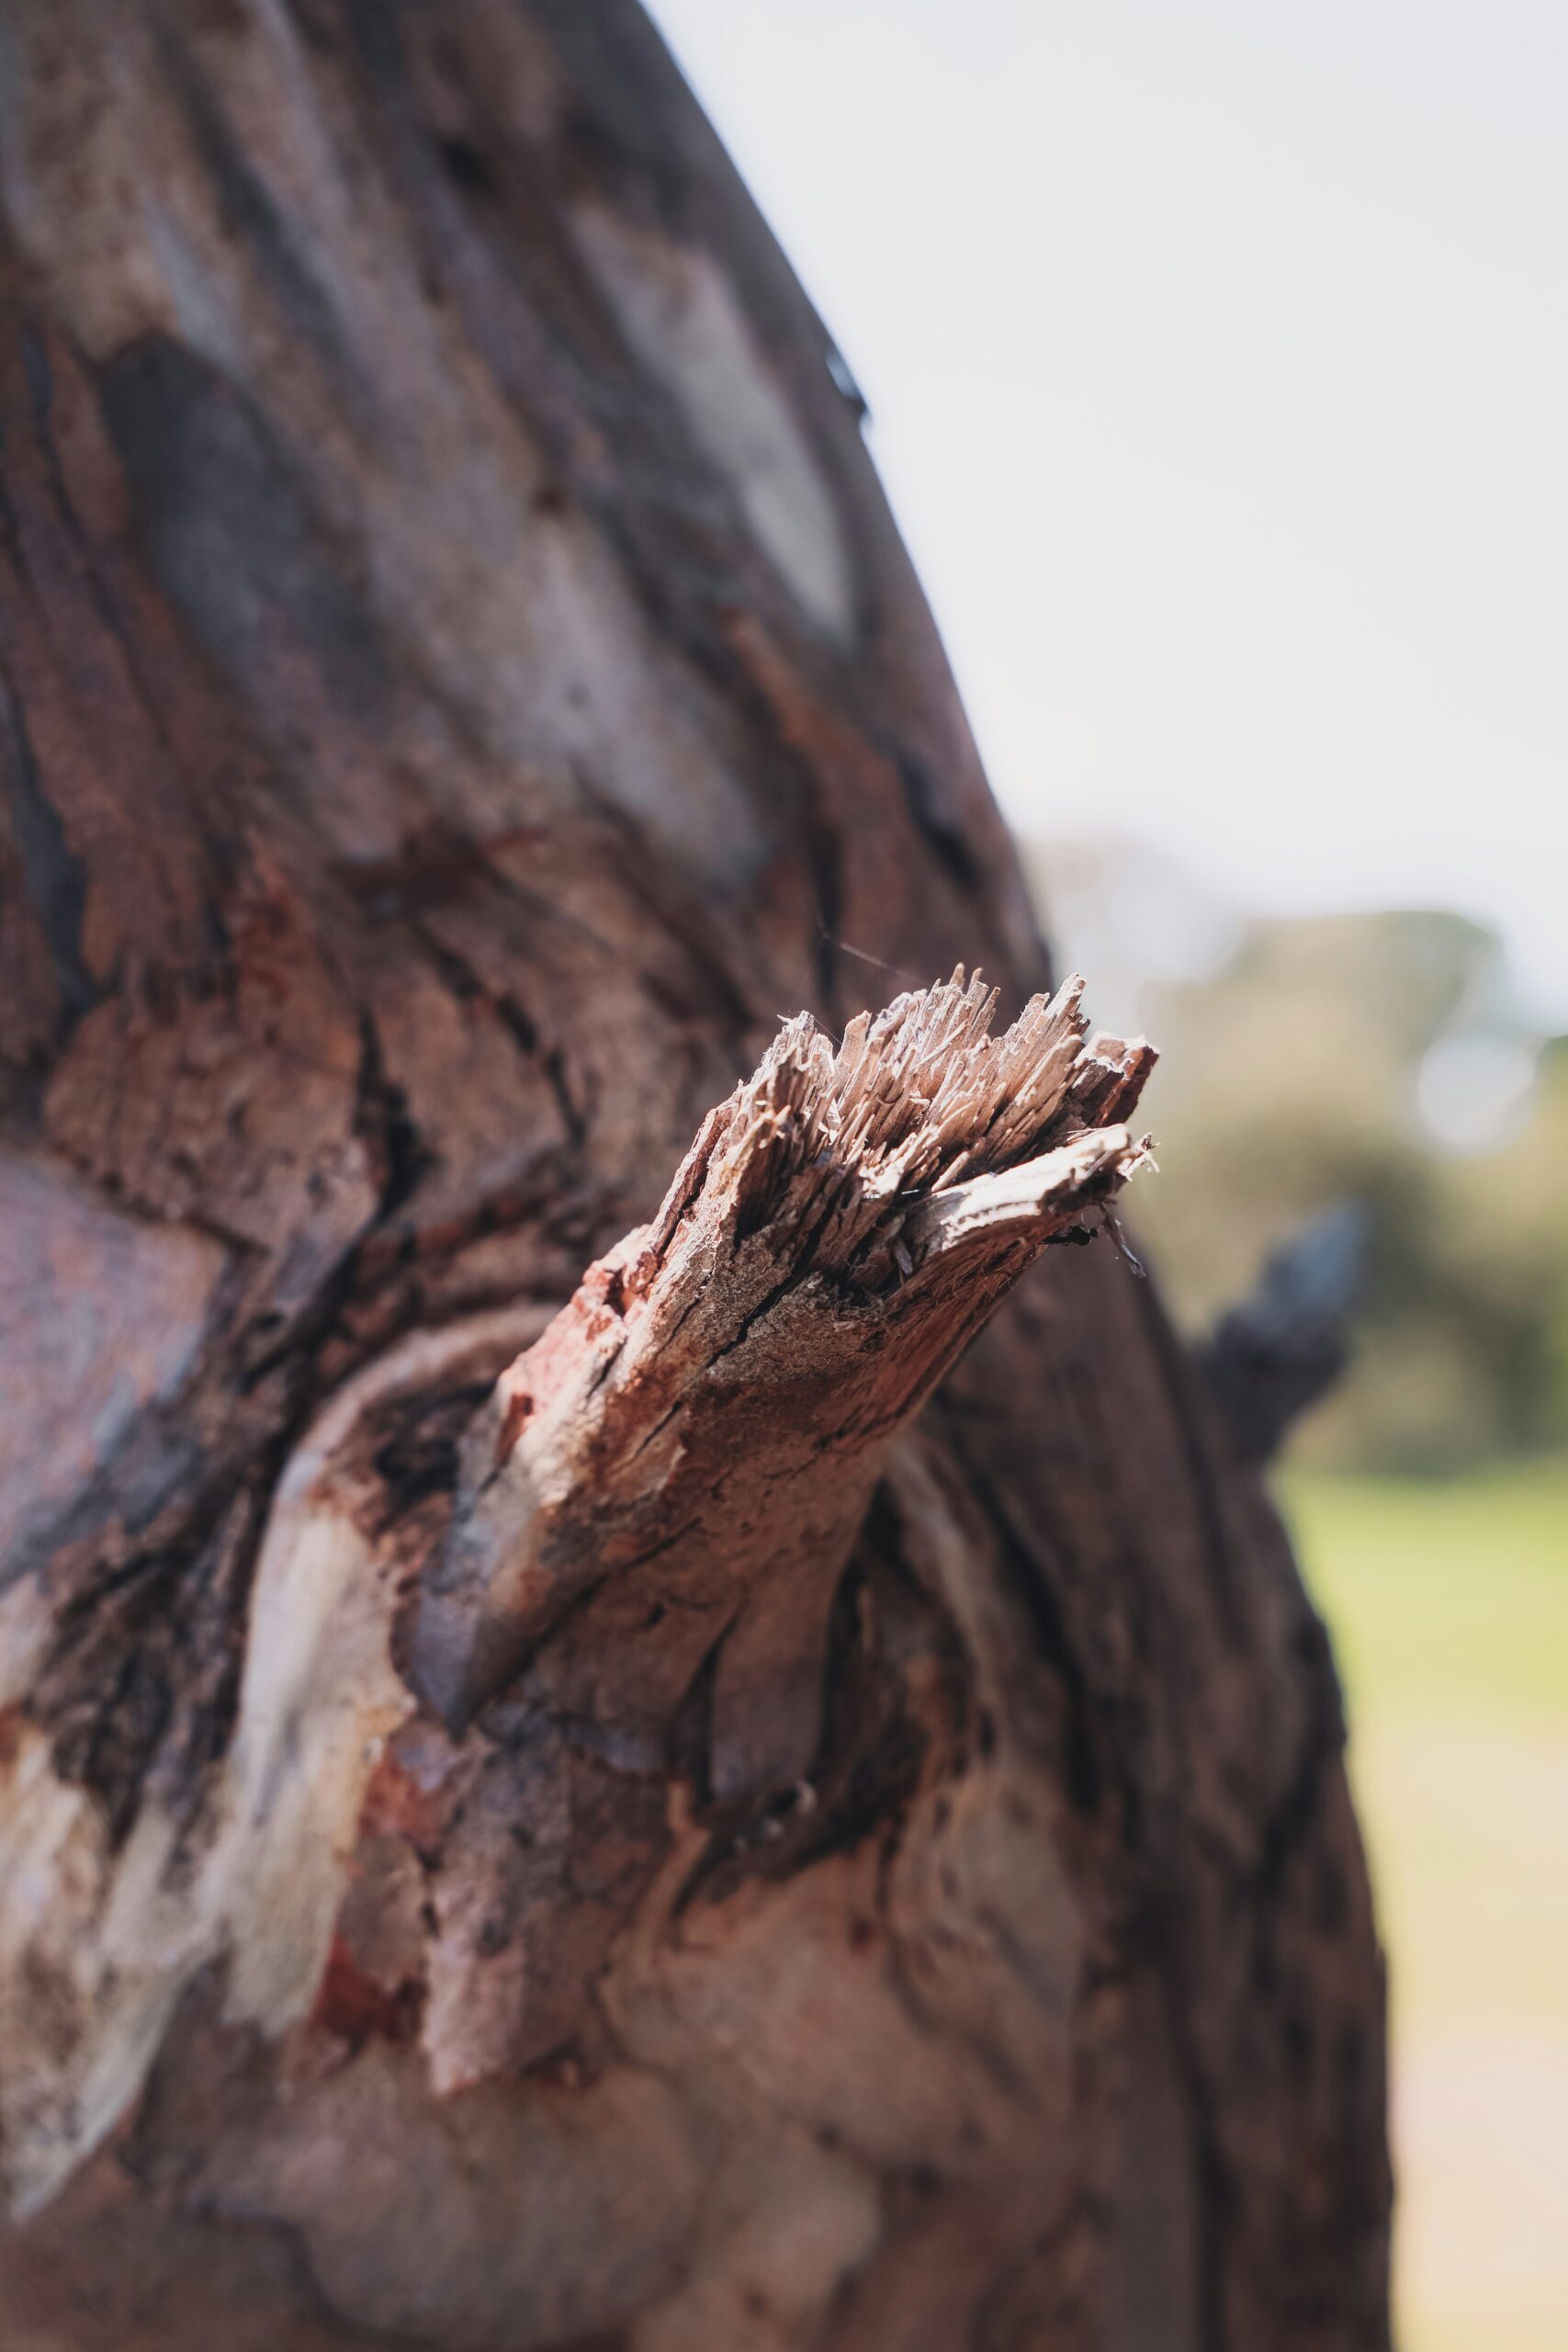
<point>460,688</point>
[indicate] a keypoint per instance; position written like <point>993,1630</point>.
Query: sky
<point>1217,359</point>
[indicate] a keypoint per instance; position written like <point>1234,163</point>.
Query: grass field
<point>1450,1609</point>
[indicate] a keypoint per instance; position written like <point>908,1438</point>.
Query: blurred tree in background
<point>1379,1061</point>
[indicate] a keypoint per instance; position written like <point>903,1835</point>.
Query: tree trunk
<point>548,1807</point>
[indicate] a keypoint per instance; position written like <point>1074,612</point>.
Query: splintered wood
<point>701,1428</point>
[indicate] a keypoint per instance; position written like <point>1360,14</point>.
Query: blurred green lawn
<point>1449,1604</point>
<point>1444,1593</point>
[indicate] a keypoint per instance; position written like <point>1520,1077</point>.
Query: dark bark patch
<point>466,167</point>
<point>229,532</point>
<point>355,2009</point>
<point>52,875</point>
<point>942,834</point>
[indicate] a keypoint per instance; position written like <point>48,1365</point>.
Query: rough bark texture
<point>672,1850</point>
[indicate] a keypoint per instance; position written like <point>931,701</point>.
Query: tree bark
<point>543,1807</point>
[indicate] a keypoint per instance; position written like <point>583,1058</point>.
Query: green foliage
<point>1290,1080</point>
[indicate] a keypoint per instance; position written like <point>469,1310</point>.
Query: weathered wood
<point>700,1432</point>
<point>460,689</point>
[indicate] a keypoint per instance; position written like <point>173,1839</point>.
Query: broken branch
<point>702,1427</point>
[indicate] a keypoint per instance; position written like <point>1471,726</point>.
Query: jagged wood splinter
<point>702,1425</point>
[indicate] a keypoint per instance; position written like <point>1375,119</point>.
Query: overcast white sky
<point>1218,363</point>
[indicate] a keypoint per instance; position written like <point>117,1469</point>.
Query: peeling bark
<point>700,1804</point>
